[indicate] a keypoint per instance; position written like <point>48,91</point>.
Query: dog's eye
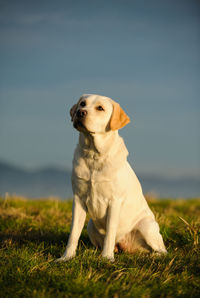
<point>100,108</point>
<point>82,103</point>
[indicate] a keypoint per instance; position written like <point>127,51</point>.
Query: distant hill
<point>40,183</point>
<point>52,181</point>
<point>166,187</point>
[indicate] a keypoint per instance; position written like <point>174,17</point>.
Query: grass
<point>34,233</point>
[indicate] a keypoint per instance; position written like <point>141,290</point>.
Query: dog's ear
<point>119,118</point>
<point>73,111</point>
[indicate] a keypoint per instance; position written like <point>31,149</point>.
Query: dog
<point>105,186</point>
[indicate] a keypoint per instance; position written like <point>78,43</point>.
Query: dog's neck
<point>102,144</point>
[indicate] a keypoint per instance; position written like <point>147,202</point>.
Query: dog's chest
<point>91,181</point>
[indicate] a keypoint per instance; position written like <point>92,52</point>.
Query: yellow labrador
<point>105,185</point>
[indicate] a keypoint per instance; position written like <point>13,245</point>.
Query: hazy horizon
<point>51,181</point>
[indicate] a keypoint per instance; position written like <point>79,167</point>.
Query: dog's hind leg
<point>149,229</point>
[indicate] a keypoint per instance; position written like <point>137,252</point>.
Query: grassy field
<point>34,233</point>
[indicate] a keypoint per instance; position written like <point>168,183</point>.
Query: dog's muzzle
<point>78,122</point>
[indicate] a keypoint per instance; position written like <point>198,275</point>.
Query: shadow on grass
<point>52,242</point>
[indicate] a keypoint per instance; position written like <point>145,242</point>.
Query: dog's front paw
<point>109,257</point>
<point>63,259</point>
<point>66,257</point>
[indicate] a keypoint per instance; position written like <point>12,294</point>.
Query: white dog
<point>105,185</point>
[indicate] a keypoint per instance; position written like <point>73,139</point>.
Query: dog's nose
<point>81,113</point>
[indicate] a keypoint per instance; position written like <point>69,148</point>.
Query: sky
<point>143,54</point>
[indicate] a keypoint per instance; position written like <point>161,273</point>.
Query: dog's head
<point>97,114</point>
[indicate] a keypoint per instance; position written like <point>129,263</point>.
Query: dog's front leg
<point>78,220</point>
<point>111,229</point>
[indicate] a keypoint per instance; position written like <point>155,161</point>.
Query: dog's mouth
<point>79,124</point>
<point>81,127</point>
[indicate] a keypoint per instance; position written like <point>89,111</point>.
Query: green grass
<point>34,233</point>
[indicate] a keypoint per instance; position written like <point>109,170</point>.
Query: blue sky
<point>143,54</point>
